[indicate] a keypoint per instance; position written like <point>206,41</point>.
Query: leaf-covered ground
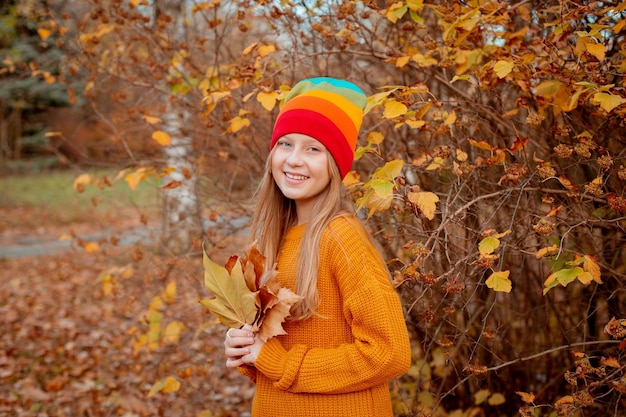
<point>70,326</point>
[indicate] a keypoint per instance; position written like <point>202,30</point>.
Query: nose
<point>295,157</point>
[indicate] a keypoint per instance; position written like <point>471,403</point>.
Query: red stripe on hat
<point>318,126</point>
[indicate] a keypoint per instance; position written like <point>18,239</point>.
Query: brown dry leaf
<point>527,397</point>
<point>275,316</point>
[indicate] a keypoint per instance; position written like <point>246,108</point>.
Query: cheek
<point>275,163</point>
<point>276,168</point>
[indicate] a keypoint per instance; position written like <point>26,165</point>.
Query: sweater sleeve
<point>380,348</point>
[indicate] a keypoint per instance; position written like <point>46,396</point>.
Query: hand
<point>242,347</point>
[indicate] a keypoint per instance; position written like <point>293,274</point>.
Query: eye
<point>315,149</point>
<point>283,143</point>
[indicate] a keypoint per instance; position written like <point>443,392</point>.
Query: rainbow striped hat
<point>328,110</point>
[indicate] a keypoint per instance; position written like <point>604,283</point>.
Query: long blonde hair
<point>275,214</point>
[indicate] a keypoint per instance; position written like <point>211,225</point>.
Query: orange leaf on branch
<point>246,293</point>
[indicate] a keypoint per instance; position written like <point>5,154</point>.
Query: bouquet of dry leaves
<point>246,293</point>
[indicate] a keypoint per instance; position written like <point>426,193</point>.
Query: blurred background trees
<point>491,165</point>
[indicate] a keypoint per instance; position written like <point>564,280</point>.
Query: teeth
<point>295,177</point>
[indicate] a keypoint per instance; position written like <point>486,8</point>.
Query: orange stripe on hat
<point>352,110</point>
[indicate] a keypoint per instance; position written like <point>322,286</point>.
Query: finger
<point>233,363</point>
<point>238,341</point>
<point>236,352</point>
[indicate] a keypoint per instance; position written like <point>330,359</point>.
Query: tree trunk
<point>181,211</point>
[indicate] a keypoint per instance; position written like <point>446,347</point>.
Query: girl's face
<point>300,169</point>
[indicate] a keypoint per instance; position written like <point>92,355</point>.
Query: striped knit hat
<point>328,110</point>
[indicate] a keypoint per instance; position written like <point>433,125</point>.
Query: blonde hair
<point>275,214</point>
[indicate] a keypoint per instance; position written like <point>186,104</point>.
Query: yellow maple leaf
<point>43,33</point>
<point>496,399</point>
<point>608,101</point>
<point>166,386</point>
<point>488,245</point>
<point>502,68</point>
<point>596,49</point>
<point>480,144</point>
<point>162,138</point>
<point>549,88</point>
<point>81,181</point>
<point>151,120</point>
<point>402,61</point>
<point>450,119</point>
<point>481,396</point>
<point>169,294</point>
<point>550,250</point>
<point>352,178</point>
<point>591,266</point>
<point>267,100</point>
<point>91,247</point>
<point>237,123</point>
<point>395,12</point>
<point>172,332</point>
<point>134,178</point>
<point>435,164</point>
<point>425,201</point>
<point>499,281</point>
<point>265,50</point>
<point>393,109</point>
<point>415,124</point>
<point>375,138</point>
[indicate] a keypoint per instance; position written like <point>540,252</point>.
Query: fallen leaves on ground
<point>67,340</point>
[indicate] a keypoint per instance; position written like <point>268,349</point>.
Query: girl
<point>347,337</point>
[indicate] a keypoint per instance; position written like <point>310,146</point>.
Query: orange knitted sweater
<point>338,363</point>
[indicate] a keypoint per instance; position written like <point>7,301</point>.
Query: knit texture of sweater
<point>339,362</point>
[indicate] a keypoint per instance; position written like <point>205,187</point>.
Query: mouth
<point>295,177</point>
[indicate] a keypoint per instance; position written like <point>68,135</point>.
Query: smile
<point>295,177</point>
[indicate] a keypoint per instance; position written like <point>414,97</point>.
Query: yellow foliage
<point>44,34</point>
<point>91,247</point>
<point>607,101</point>
<point>237,123</point>
<point>162,138</point>
<point>402,61</point>
<point>499,281</point>
<point>169,294</point>
<point>425,201</point>
<point>81,181</point>
<point>502,68</point>
<point>166,386</point>
<point>265,50</point>
<point>393,109</point>
<point>267,100</point>
<point>152,120</point>
<point>550,250</point>
<point>134,178</point>
<point>172,332</point>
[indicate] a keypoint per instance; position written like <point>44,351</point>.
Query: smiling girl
<point>346,339</point>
